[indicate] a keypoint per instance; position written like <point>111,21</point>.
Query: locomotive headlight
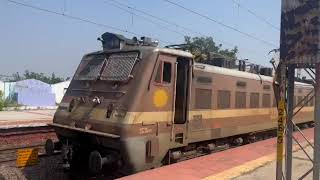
<point>120,112</point>
<point>116,111</point>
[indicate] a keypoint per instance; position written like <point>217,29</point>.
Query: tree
<point>16,77</point>
<point>38,76</point>
<point>55,79</point>
<point>202,47</point>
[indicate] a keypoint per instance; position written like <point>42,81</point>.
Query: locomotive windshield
<point>90,67</point>
<point>118,66</point>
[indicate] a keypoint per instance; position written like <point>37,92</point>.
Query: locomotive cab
<point>126,106</point>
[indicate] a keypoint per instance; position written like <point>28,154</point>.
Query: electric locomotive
<point>136,106</point>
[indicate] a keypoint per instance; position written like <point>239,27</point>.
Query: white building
<point>2,88</point>
<point>59,90</point>
<point>9,90</point>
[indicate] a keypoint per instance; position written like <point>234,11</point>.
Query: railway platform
<point>30,118</point>
<point>252,161</point>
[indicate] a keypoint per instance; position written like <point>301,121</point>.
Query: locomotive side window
<point>223,99</point>
<point>266,101</point>
<point>241,99</point>
<point>163,75</point>
<point>166,72</point>
<point>203,98</point>
<point>158,75</point>
<point>254,100</point>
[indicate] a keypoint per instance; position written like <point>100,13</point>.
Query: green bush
<point>7,102</point>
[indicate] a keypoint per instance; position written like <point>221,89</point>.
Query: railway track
<point>24,130</point>
<point>13,139</point>
<point>9,153</point>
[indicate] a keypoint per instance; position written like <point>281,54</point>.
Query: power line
<point>256,15</point>
<point>149,20</point>
<point>167,22</point>
<point>79,19</point>
<point>157,18</point>
<point>90,22</point>
<point>221,23</point>
<point>130,11</point>
<point>163,20</point>
<point>131,8</point>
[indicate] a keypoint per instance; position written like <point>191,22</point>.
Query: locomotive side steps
<point>114,136</point>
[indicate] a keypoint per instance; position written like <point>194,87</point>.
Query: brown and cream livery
<point>137,106</point>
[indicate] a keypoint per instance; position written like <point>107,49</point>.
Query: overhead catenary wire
<point>93,22</point>
<point>168,22</point>
<point>130,9</point>
<point>222,24</point>
<point>83,20</point>
<point>256,15</point>
<point>142,17</point>
<point>157,18</point>
<point>131,12</point>
<point>80,19</point>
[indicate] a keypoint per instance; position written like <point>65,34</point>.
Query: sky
<point>44,42</point>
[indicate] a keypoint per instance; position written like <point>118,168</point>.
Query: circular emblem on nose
<point>160,98</point>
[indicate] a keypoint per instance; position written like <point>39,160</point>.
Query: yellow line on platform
<point>247,167</point>
<point>244,168</point>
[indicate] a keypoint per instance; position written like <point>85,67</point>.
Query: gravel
<point>48,168</point>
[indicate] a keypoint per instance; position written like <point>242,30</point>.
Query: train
<point>134,106</point>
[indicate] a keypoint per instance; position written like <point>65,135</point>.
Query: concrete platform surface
<point>300,165</point>
<point>13,119</point>
<point>228,164</point>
